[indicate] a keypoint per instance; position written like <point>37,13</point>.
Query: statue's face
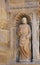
<point>24,20</point>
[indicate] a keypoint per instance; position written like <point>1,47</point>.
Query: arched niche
<point>17,22</point>
<point>19,16</point>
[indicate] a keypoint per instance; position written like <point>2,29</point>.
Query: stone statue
<point>24,34</point>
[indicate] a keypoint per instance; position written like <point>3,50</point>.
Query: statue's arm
<point>29,32</point>
<point>19,31</point>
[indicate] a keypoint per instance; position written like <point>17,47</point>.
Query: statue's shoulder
<point>24,26</point>
<point>28,25</point>
<point>21,25</point>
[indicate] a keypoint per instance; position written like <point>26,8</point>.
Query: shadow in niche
<point>30,24</point>
<point>5,0</point>
<point>39,39</point>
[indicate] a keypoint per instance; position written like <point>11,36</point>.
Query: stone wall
<point>16,14</point>
<point>10,14</point>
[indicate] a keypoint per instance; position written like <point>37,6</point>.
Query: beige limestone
<point>24,42</point>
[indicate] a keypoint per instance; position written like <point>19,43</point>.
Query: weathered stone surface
<point>6,53</point>
<point>24,35</point>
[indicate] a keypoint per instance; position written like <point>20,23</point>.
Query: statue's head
<point>24,20</point>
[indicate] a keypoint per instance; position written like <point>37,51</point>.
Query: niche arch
<point>19,16</point>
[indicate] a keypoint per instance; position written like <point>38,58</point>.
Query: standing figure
<point>24,35</point>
